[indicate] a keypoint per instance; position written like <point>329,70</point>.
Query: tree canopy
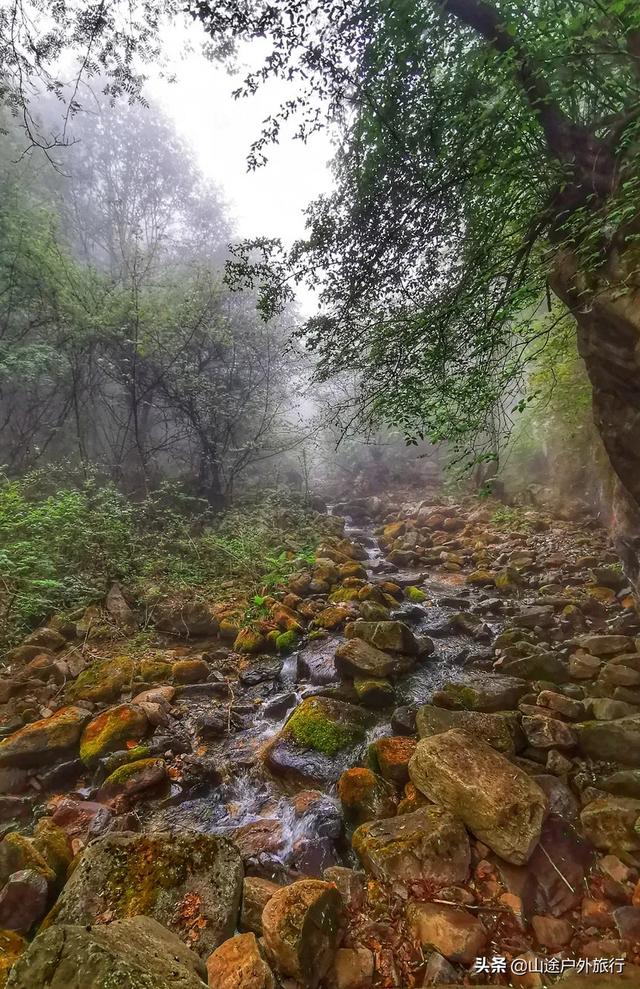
<point>475,142</point>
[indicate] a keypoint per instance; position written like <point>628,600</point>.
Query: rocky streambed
<point>418,764</point>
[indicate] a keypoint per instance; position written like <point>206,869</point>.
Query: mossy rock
<point>286,618</point>
<point>287,641</point>
<point>365,796</point>
<point>331,618</point>
<point>54,845</point>
<point>250,640</point>
<point>135,777</point>
<point>392,636</point>
<point>112,730</point>
<point>415,595</point>
<point>371,611</point>
<point>136,953</point>
<point>116,759</point>
<point>188,881</point>
<point>190,671</point>
<point>344,594</point>
<point>104,680</point>
<point>374,692</point>
<point>316,724</point>
<point>495,693</point>
<point>42,742</point>
<point>319,740</point>
<point>155,670</point>
<point>18,852</point>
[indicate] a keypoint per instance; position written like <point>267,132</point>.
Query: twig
<point>564,879</point>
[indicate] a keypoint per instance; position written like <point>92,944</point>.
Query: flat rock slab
<point>497,801</point>
<point>131,954</point>
<point>500,731</point>
<point>190,882</point>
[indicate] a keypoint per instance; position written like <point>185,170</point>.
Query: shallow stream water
<point>248,796</point>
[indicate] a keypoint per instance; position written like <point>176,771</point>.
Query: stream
<point>279,826</point>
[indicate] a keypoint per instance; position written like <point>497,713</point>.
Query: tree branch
<point>483,18</point>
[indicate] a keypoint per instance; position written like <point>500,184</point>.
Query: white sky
<point>266,202</point>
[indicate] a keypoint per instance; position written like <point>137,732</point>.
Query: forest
<point>319,494</point>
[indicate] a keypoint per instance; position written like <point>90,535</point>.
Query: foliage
<point>511,518</point>
<point>119,344</point>
<point>477,142</point>
<point>554,442</point>
<point>62,547</point>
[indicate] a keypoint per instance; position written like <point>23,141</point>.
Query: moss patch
<point>286,641</point>
<point>311,727</point>
<point>104,680</point>
<point>415,594</point>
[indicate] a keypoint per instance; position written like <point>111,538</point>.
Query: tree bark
<point>606,307</point>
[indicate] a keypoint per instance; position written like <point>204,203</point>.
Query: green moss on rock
<point>415,594</point>
<point>312,727</point>
<point>103,680</point>
<point>286,641</point>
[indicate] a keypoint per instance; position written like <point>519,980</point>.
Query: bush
<point>62,549</point>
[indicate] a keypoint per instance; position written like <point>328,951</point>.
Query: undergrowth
<point>62,547</point>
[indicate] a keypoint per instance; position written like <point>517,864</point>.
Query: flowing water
<point>274,825</point>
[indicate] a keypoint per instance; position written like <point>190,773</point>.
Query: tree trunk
<point>606,306</point>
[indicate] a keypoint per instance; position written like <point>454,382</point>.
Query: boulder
<point>43,742</point>
<point>489,693</point>
<point>353,968</point>
<point>303,925</point>
<point>429,844</point>
<point>500,731</point>
<point>316,662</point>
<point>129,954</point>
<point>605,645</point>
<point>256,893</point>
<point>355,657</point>
<point>610,824</point>
<point>112,730</point>
<point>238,964</point>
<point>548,733</point>
<point>392,636</point>
<point>46,638</point>
<point>611,741</point>
<point>23,901</point>
<point>364,795</point>
<point>134,777</point>
<point>538,666</point>
<point>103,680</point>
<point>453,931</point>
<point>374,692</point>
<point>393,755</point>
<point>185,618</point>
<point>497,801</point>
<point>17,853</point>
<point>188,881</point>
<point>319,741</point>
<point>553,880</point>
